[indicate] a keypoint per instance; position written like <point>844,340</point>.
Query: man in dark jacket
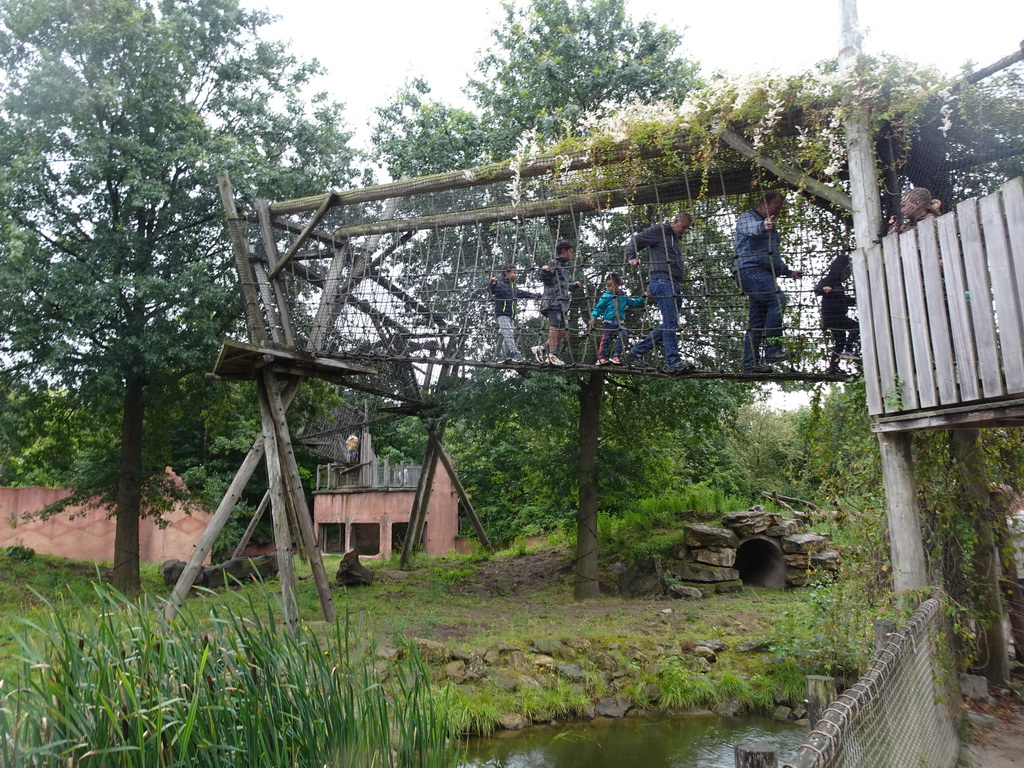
<point>664,286</point>
<point>505,293</point>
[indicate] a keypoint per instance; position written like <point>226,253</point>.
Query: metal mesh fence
<point>901,713</point>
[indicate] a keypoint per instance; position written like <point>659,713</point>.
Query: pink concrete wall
<point>387,507</point>
<point>91,535</point>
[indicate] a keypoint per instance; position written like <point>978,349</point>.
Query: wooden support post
<point>278,508</point>
<point>417,519</point>
<point>586,585</point>
<point>463,496</point>
<point>293,483</point>
<point>756,754</point>
<point>821,691</point>
<point>246,277</point>
<point>883,628</point>
<point>244,541</point>
<point>220,517</point>
<point>906,546</point>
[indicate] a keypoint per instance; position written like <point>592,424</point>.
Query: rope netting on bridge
<point>422,294</point>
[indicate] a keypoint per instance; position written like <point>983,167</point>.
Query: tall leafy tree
<point>115,116</point>
<point>553,61</point>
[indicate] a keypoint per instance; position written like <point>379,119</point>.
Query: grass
<point>635,649</point>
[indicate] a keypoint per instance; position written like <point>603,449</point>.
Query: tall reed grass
<point>120,686</point>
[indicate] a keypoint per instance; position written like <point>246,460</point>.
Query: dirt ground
<point>1000,745</point>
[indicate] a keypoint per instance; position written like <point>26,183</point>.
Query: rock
<point>578,643</point>
<point>455,671</point>
<point>720,556</point>
<point>754,520</point>
<point>702,664</point>
<point>803,543</point>
<point>750,646</point>
<point>681,592</point>
<point>643,579</point>
<point>715,645</point>
<point>502,681</point>
<point>526,681</point>
<point>702,573</point>
<point>782,714</point>
<point>352,573</point>
<point>432,651</point>
<point>785,527</point>
<point>492,657</point>
<point>703,652</point>
<point>587,712</point>
<point>572,671</point>
<point>461,655</point>
<point>797,561</point>
<point>796,577</point>
<point>614,707</point>
<point>548,646</point>
<point>171,570</point>
<point>974,687</point>
<point>729,587</point>
<point>826,561</point>
<point>544,662</point>
<point>698,535</point>
<point>730,708</point>
<point>518,661</point>
<point>981,720</point>
<point>513,722</point>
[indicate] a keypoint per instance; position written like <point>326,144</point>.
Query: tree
<point>116,116</point>
<point>554,61</point>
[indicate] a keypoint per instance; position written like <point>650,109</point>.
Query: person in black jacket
<point>505,293</point>
<point>555,302</point>
<point>835,304</point>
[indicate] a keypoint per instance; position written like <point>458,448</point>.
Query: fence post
<point>756,754</point>
<point>883,628</point>
<point>821,691</point>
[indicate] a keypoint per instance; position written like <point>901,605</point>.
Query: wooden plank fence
<point>942,319</point>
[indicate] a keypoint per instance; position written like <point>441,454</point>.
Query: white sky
<point>370,50</point>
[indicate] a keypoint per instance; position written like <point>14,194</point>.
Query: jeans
<point>613,339</point>
<point>508,339</point>
<point>764,318</point>
<point>845,335</point>
<point>669,299</point>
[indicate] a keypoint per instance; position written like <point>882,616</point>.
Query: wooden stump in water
<point>756,754</point>
<point>352,573</point>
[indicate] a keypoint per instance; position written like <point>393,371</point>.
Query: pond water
<point>677,742</point>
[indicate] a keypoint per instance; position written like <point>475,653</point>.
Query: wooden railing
<point>942,320</point>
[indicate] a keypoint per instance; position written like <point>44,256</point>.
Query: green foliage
<point>130,690</point>
<point>18,552</point>
<point>681,688</point>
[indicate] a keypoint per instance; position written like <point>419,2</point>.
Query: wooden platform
<point>239,361</point>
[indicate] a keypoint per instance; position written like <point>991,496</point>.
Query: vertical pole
<point>279,511</point>
<point>244,541</point>
<point>883,628</point>
<point>905,544</point>
<point>463,496</point>
<point>586,584</point>
<point>756,754</point>
<point>821,691</point>
<point>293,484</point>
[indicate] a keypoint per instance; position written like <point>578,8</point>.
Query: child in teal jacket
<point>611,309</point>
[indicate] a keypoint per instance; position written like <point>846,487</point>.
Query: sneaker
<point>780,356</point>
<point>637,361</point>
<point>849,356</point>
<point>758,368</point>
<point>554,359</point>
<point>683,366</point>
<point>541,353</point>
<point>602,361</point>
<point>499,359</point>
<point>616,360</point>
<point>518,358</point>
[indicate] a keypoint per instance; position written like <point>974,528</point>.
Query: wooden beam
<point>463,496</point>
<point>328,203</point>
<point>240,245</point>
<point>905,543</point>
<point>785,171</point>
<point>293,484</point>
<point>257,516</point>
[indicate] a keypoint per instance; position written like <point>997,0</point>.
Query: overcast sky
<point>370,49</point>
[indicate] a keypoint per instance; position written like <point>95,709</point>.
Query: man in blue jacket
<point>758,264</point>
<point>667,272</point>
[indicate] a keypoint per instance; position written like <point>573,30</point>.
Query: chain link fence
<point>901,713</point>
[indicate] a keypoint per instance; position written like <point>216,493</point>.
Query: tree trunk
<point>125,576</point>
<point>586,584</point>
<point>993,656</point>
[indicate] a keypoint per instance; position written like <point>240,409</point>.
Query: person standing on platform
<point>758,265</point>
